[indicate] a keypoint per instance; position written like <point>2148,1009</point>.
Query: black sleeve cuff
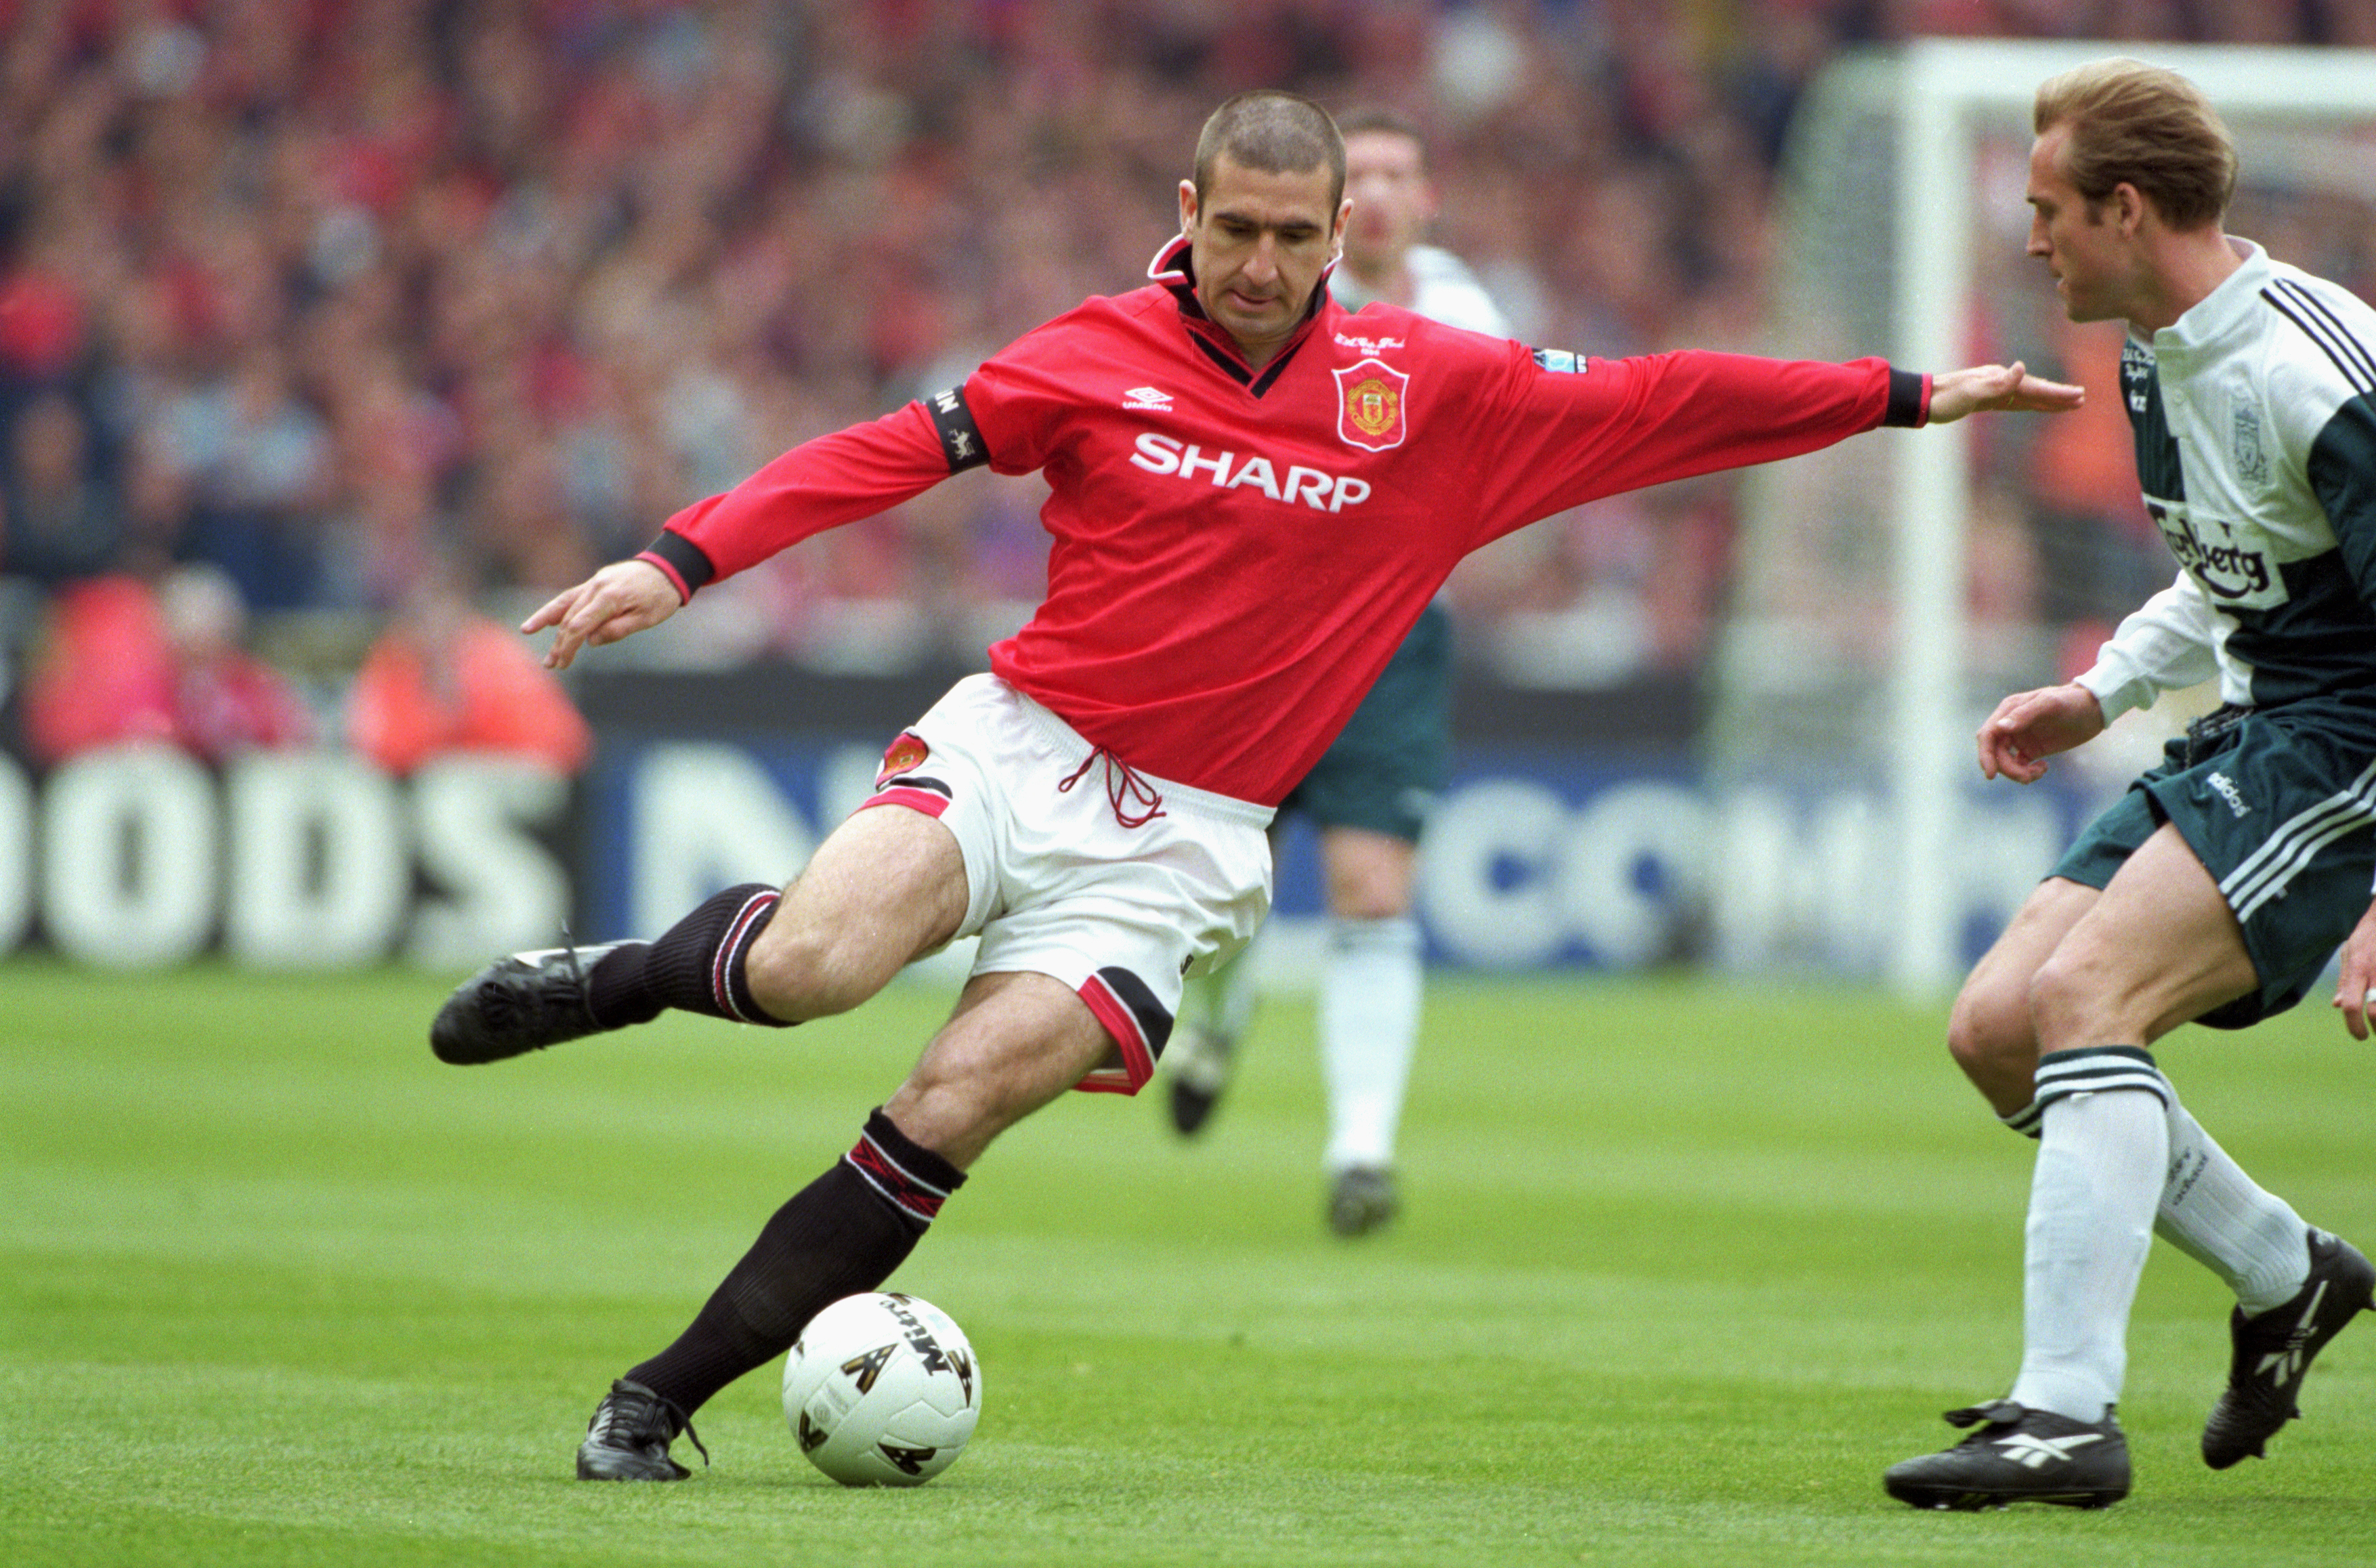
<point>1909,403</point>
<point>960,437</point>
<point>685,560</point>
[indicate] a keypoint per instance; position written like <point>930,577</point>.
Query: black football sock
<point>842,1233</point>
<point>696,965</point>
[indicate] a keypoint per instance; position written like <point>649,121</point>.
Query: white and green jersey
<point>1442,289</point>
<point>2255,422</point>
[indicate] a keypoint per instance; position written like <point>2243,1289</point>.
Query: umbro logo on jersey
<point>2036,1452</point>
<point>1146,397</point>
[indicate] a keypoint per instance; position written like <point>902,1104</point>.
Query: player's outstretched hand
<point>2359,982</point>
<point>620,599</point>
<point>2001,388</point>
<point>2029,727</point>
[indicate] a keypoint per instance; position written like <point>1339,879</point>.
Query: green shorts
<point>1384,771</point>
<point>2277,806</point>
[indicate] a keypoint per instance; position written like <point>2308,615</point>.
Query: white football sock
<point>1368,1025</point>
<point>2100,1160</point>
<point>1223,1000</point>
<point>2216,1215</point>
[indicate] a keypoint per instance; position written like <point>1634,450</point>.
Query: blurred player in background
<point>1252,498</point>
<point>2218,887</point>
<point>1370,795</point>
<point>442,678</point>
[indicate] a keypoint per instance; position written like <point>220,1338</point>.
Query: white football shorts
<point>1115,883</point>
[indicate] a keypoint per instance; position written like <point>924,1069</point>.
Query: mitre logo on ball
<point>1370,405</point>
<point>883,1389</point>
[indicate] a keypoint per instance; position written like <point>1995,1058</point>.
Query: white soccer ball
<point>881,1390</point>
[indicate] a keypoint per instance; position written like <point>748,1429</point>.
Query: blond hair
<point>2141,125</point>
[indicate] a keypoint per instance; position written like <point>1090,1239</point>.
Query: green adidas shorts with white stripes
<point>2278,807</point>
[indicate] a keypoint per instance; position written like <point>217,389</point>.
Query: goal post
<point>1914,121</point>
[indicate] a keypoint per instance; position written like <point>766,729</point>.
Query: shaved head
<point>1275,133</point>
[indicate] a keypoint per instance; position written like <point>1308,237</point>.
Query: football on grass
<point>881,1390</point>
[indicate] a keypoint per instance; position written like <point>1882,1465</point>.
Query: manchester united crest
<point>1370,397</point>
<point>904,755</point>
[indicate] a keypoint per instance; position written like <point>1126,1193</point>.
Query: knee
<point>1988,1035</point>
<point>800,973</point>
<point>1370,902</point>
<point>1987,1026</point>
<point>1369,881</point>
<point>2065,1001</point>
<point>956,1114</point>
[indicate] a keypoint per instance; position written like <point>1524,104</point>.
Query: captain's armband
<point>960,437</point>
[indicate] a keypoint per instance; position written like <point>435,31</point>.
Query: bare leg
<point>2159,946</point>
<point>885,887</point>
<point>1014,1043</point>
<point>1991,1034</point>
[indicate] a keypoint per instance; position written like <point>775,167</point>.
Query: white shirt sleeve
<point>2171,642</point>
<point>1446,290</point>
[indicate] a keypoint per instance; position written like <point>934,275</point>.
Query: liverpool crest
<point>2251,463</point>
<point>1370,412</point>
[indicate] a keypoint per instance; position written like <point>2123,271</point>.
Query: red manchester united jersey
<point>1237,552</point>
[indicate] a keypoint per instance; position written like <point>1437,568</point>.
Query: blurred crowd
<point>355,304</point>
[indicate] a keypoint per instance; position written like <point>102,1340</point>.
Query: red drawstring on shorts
<point>1122,784</point>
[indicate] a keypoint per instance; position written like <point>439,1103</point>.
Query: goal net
<point>1892,590</point>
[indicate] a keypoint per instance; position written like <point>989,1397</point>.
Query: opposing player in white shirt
<point>2218,887</point>
<point>1370,796</point>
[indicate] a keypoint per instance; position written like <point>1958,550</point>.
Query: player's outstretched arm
<point>1999,388</point>
<point>2359,982</point>
<point>2029,727</point>
<point>620,599</point>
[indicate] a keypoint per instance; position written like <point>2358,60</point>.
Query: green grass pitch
<point>1682,1268</point>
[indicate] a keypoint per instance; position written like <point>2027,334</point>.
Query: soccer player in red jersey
<point>1253,495</point>
<point>1369,798</point>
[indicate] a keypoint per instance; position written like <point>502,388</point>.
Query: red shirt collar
<point>1172,269</point>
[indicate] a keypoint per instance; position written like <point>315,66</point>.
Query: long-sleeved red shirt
<point>1236,553</point>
